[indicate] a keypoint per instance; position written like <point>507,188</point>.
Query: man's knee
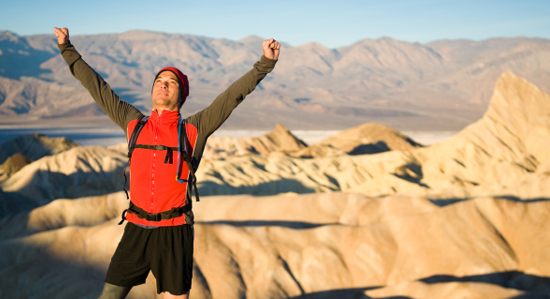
<point>111,291</point>
<point>168,295</point>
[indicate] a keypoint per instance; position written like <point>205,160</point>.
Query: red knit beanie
<point>183,82</point>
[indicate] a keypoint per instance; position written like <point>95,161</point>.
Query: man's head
<point>170,89</point>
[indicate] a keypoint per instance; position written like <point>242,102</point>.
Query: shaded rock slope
<point>464,218</point>
<point>504,153</point>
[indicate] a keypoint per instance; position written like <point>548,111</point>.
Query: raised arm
<point>119,111</point>
<point>212,117</point>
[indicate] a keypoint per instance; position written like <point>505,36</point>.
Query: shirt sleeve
<point>212,117</point>
<point>118,110</point>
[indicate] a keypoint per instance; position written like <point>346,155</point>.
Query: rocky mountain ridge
<point>370,159</point>
<point>407,86</point>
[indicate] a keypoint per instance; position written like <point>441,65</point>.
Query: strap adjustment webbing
<point>142,214</point>
<point>169,151</point>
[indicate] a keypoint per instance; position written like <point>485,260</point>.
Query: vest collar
<point>167,115</point>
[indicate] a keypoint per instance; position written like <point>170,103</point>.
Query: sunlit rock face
<point>367,213</point>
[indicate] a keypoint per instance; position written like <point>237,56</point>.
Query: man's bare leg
<point>114,292</point>
<point>167,295</point>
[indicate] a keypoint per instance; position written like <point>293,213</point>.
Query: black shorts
<point>166,251</point>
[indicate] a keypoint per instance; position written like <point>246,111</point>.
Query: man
<point>159,233</point>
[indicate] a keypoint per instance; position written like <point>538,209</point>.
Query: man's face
<point>166,91</point>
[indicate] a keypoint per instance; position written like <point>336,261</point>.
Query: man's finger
<point>268,42</point>
<point>61,30</point>
<point>62,34</point>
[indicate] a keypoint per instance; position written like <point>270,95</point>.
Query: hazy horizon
<point>108,136</point>
<point>328,23</point>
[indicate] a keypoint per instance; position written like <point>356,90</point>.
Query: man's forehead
<point>168,74</point>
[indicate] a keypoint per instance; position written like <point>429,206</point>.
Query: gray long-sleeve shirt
<point>152,183</point>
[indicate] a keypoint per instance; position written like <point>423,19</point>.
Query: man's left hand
<point>271,48</point>
<point>62,35</point>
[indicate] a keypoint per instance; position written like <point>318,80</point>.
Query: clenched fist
<point>62,35</point>
<point>271,48</point>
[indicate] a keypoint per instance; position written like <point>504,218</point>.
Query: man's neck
<point>160,110</point>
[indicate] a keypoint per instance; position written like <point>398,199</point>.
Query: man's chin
<point>160,102</point>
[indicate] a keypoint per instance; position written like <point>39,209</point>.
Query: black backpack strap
<point>142,214</point>
<point>131,146</point>
<point>135,133</point>
<point>168,159</point>
<point>187,159</point>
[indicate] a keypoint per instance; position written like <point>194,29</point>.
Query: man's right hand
<point>62,35</point>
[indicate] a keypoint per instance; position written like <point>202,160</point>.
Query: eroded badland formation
<point>368,213</point>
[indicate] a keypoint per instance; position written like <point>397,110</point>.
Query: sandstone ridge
<point>343,218</point>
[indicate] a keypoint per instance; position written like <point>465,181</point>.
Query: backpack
<point>182,148</point>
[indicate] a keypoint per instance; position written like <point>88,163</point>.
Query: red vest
<point>153,184</point>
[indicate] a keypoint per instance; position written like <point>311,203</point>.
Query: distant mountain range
<point>442,85</point>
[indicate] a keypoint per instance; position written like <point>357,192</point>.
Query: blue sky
<point>331,23</point>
